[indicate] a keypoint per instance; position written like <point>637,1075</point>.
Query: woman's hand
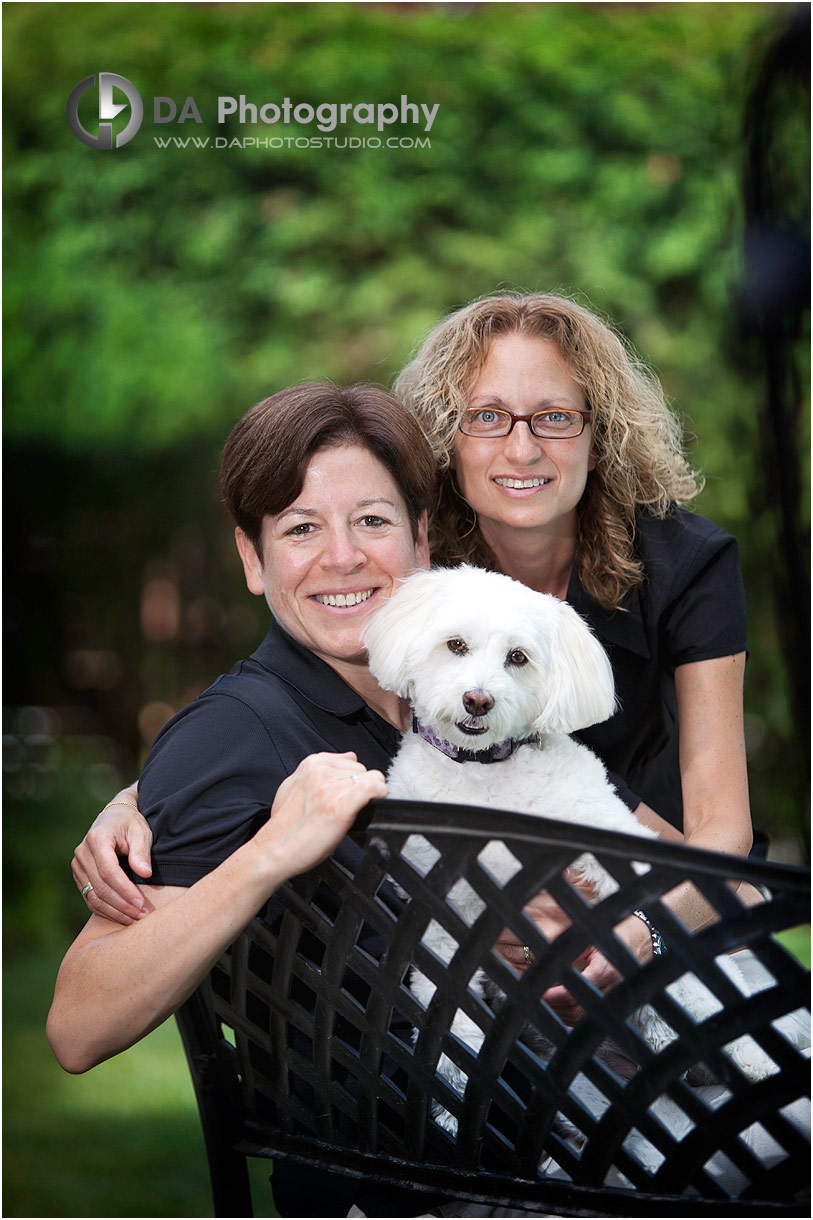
<point>593,965</point>
<point>548,917</point>
<point>119,829</point>
<point>315,807</point>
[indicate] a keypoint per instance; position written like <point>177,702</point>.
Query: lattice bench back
<point>301,1040</point>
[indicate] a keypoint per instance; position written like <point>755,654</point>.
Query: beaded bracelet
<point>658,945</point>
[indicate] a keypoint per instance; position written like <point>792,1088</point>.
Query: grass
<point>122,1140</point>
<point>797,942</point>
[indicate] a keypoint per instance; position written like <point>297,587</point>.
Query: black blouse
<point>690,607</point>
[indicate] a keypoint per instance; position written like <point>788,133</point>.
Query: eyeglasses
<point>550,425</point>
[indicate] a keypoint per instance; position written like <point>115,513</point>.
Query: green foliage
<point>588,148</point>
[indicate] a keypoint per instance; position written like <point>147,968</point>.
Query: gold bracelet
<point>128,804</point>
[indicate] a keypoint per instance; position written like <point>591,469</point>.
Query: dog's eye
<point>516,657</point>
<point>457,646</point>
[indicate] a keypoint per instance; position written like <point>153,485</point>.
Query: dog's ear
<point>395,635</point>
<point>580,683</point>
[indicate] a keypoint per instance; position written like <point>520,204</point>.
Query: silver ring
<point>527,952</point>
<point>87,889</point>
<point>354,778</point>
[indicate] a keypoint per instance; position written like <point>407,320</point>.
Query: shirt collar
<point>624,627</point>
<point>284,656</point>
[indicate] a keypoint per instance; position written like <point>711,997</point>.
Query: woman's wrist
<point>637,935</point>
<point>656,940</point>
<point>261,869</point>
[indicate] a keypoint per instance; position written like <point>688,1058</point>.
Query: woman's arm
<point>118,830</point>
<point>713,774</point>
<point>716,816</point>
<point>118,982</point>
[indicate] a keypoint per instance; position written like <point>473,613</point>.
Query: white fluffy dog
<point>499,675</point>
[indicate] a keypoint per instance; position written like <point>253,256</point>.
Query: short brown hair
<point>266,456</point>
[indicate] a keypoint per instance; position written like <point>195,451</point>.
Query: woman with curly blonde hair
<point>636,441</point>
<point>562,465</point>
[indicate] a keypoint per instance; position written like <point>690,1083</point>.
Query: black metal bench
<point>301,1042</point>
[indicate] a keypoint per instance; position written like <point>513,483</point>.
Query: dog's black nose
<point>477,702</point>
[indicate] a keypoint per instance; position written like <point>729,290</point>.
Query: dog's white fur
<point>547,675</point>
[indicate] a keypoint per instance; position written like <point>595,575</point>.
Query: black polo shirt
<point>690,607</point>
<point>214,769</point>
<point>207,786</point>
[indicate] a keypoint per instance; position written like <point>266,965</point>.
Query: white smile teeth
<point>521,484</point>
<point>343,599</point>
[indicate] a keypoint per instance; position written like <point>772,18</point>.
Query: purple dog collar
<point>496,753</point>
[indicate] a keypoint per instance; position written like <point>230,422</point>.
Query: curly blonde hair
<point>637,439</point>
